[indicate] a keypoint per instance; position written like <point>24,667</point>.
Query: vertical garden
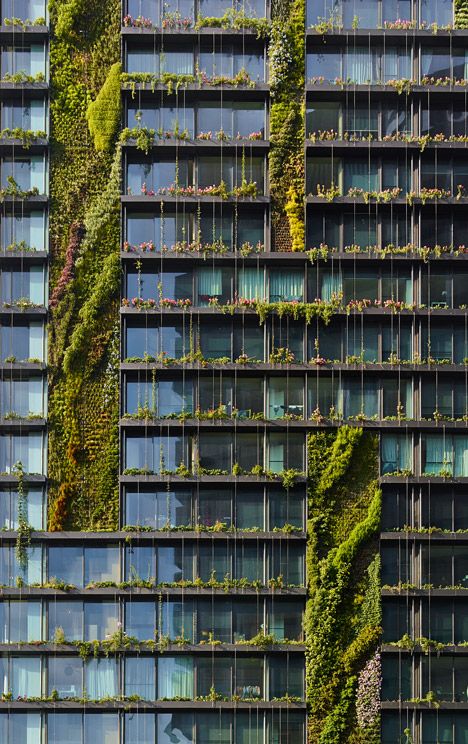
<point>84,269</point>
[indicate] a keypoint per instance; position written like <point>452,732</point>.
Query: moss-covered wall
<point>343,613</point>
<point>84,272</point>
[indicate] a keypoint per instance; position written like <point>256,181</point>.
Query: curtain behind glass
<point>286,286</point>
<point>175,678</point>
<point>101,678</point>
<point>251,284</point>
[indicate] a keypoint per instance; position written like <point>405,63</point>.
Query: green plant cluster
<point>461,13</point>
<point>85,235</point>
<point>343,613</point>
<point>287,127</point>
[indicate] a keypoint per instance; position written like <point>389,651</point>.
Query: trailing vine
<point>85,236</point>
<point>343,613</point>
<point>287,127</point>
<point>23,535</point>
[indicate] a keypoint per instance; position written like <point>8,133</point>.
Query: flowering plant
<point>400,24</point>
<point>368,695</point>
<point>144,247</point>
<point>138,22</point>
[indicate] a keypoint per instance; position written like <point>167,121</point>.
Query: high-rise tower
<point>233,387</point>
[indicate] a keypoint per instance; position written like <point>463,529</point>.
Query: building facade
<point>233,389</point>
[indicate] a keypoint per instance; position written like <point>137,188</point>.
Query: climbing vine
<point>343,614</point>
<point>84,275</point>
<point>287,129</point>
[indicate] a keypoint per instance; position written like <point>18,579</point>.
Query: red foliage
<point>77,232</point>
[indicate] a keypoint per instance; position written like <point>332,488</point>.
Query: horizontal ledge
<point>388,648</point>
<point>447,593</point>
<point>400,201</point>
<point>23,255</point>
<point>217,311</point>
<point>383,89</point>
<point>252,479</point>
<point>155,536</point>
<point>26,591</point>
<point>381,144</point>
<point>266,257</point>
<point>149,87</point>
<point>142,705</point>
<point>4,85</point>
<point>421,479</point>
<point>436,705</point>
<point>145,649</point>
<point>274,424</point>
<point>431,537</point>
<point>23,423</point>
<point>157,199</point>
<point>7,478</point>
<point>192,32</point>
<point>196,144</point>
<point>296,367</point>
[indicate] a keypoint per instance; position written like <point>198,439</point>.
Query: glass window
<point>175,726</point>
<point>25,677</point>
<point>249,509</point>
<point>25,621</point>
<point>101,727</point>
<point>65,676</point>
<point>101,678</point>
<point>66,617</point>
<point>140,620</point>
<point>175,678</point>
<point>286,676</point>
<point>286,453</point>
<point>214,620</point>
<point>101,564</point>
<point>326,63</point>
<point>101,620</point>
<point>158,509</point>
<point>154,454</point>
<point>140,677</point>
<point>286,397</point>
<point>64,727</point>
<point>360,174</point>
<point>215,507</point>
<point>323,117</point>
<point>285,620</point>
<point>140,728</point>
<point>439,12</point>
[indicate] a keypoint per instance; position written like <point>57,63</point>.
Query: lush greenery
<point>103,114</point>
<point>343,571</point>
<point>287,130</point>
<point>84,231</point>
<point>461,14</point>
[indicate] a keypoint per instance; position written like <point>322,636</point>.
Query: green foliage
<point>343,613</point>
<point>90,314</point>
<point>84,187</point>
<point>237,20</point>
<point>104,113</point>
<point>461,13</point>
<point>287,129</point>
